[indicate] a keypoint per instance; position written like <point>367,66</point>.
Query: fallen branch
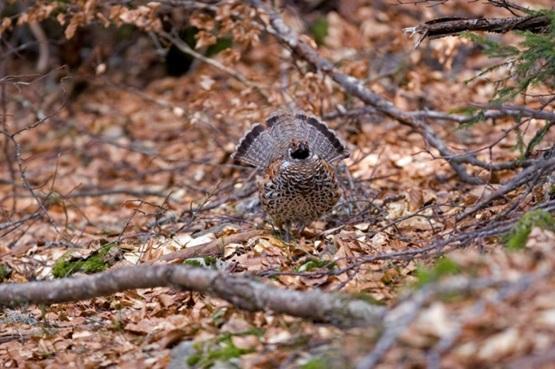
<point>99,192</point>
<point>489,112</point>
<point>443,27</point>
<point>242,292</point>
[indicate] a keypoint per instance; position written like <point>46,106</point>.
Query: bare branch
<point>489,112</point>
<point>396,321</point>
<point>44,51</point>
<point>239,291</point>
<point>443,27</point>
<point>538,169</point>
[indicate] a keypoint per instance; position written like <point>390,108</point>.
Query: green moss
<point>203,262</point>
<point>220,45</point>
<point>443,267</point>
<point>5,272</point>
<point>98,261</point>
<point>195,263</point>
<point>211,351</point>
<point>53,198</point>
<point>319,30</point>
<point>366,297</point>
<point>219,316</point>
<point>316,363</point>
<point>315,264</point>
<point>517,237</point>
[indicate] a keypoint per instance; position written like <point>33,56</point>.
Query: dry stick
<point>99,192</point>
<point>242,292</point>
<point>17,223</point>
<point>206,206</point>
<point>26,184</point>
<point>44,50</point>
<point>357,88</point>
<point>510,6</point>
<point>519,110</point>
<point>491,112</point>
<point>212,248</point>
<point>448,26</point>
<point>7,152</point>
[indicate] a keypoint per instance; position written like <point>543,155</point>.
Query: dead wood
<point>243,292</point>
<point>443,27</point>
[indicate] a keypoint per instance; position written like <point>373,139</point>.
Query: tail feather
<point>254,148</point>
<point>265,143</point>
<point>322,140</point>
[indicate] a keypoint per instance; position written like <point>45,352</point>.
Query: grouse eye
<point>300,153</point>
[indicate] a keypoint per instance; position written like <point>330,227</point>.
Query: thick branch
<point>239,291</point>
<point>443,27</point>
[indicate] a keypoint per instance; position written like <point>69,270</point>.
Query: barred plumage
<point>295,153</point>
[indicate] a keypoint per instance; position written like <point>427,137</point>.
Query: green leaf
<point>211,351</point>
<point>96,262</point>
<point>443,267</point>
<point>201,262</point>
<point>220,45</point>
<point>491,47</point>
<point>537,139</point>
<point>316,264</point>
<point>518,236</point>
<point>319,30</point>
<point>5,272</point>
<point>530,62</point>
<point>316,363</point>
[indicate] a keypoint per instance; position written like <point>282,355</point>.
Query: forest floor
<point>118,160</point>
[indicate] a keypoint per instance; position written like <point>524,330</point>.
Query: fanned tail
<point>322,140</point>
<point>255,148</point>
<point>269,141</point>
